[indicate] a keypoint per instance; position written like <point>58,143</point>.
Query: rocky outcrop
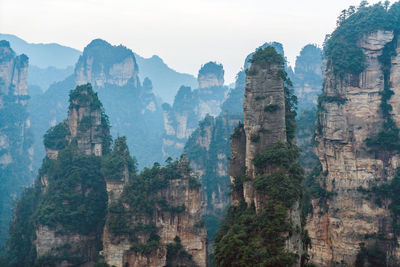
<point>208,151</point>
<point>255,167</point>
<point>15,134</point>
<point>85,132</point>
<point>102,64</point>
<point>191,106</point>
<point>113,74</point>
<point>210,75</point>
<point>307,78</point>
<point>136,237</point>
<point>351,112</point>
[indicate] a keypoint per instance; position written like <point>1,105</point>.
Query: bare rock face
<point>177,214</point>
<point>263,128</point>
<point>85,132</point>
<point>307,80</point>
<point>350,113</point>
<point>16,149</point>
<point>264,112</point>
<point>13,71</point>
<point>13,81</point>
<point>96,68</point>
<point>191,106</point>
<point>211,75</point>
<point>85,126</point>
<point>208,152</point>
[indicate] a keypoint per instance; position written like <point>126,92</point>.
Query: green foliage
<point>56,137</point>
<point>139,201</point>
<point>280,187</point>
<point>194,183</point>
<point>117,219</point>
<point>83,95</point>
<point>272,108</point>
<point>255,138</point>
<point>152,243</point>
<point>388,192</point>
<point>280,154</point>
<point>247,238</point>
<point>20,249</point>
<point>105,55</point>
<point>331,99</point>
<point>76,210</point>
<point>343,54</point>
<point>85,123</point>
<point>113,164</point>
<point>212,68</point>
<point>388,138</point>
<point>15,175</point>
<point>177,255</point>
<point>374,256</point>
<point>237,133</point>
<point>265,57</point>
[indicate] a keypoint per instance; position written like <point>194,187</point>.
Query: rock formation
<point>157,224</point>
<point>89,205</point>
<point>261,179</point>
<point>190,107</point>
<point>307,80</point>
<point>208,152</point>
<point>15,135</point>
<point>131,104</point>
<point>354,217</point>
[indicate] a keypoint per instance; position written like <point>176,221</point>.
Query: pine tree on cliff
<point>263,226</point>
<point>60,218</point>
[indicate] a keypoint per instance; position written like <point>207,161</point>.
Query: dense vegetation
<point>80,211</point>
<point>250,238</point>
<point>388,138</point>
<point>341,49</point>
<point>17,139</point>
<point>140,200</point>
<point>69,196</point>
<point>177,256</point>
<point>212,68</point>
<point>114,164</point>
<point>266,56</point>
<point>106,54</point>
<point>215,187</point>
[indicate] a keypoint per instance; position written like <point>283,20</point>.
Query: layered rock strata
<point>351,113</point>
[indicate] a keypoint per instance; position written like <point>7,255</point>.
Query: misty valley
<point>109,158</point>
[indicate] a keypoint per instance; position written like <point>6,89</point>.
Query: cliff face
<point>254,170</point>
<point>113,73</point>
<point>211,75</point>
<point>102,63</point>
<point>77,143</point>
<point>307,79</point>
<point>15,135</point>
<point>191,106</point>
<point>158,224</point>
<point>350,113</point>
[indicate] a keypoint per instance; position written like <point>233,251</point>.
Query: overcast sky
<point>185,33</point>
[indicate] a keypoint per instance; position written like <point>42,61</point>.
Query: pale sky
<point>184,33</point>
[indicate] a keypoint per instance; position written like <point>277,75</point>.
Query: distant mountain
<point>166,81</point>
<point>44,55</point>
<point>44,77</point>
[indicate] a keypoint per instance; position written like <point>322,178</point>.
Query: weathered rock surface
<point>339,226</point>
<point>187,225</point>
<point>264,125</point>
<point>191,106</point>
<point>102,64</point>
<point>16,149</point>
